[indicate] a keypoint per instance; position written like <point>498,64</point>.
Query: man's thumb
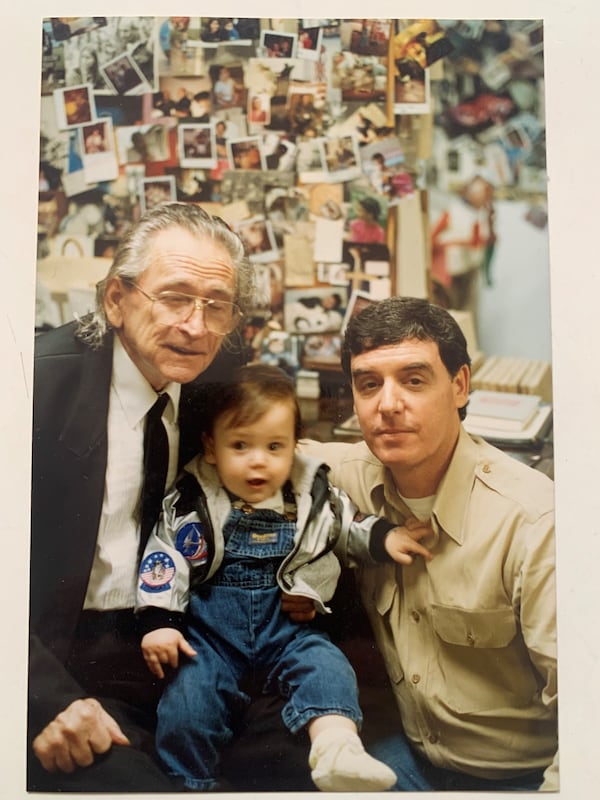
<point>116,734</point>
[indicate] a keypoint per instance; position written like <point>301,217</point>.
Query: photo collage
<point>316,140</point>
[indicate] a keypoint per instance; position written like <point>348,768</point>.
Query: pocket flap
<point>492,627</point>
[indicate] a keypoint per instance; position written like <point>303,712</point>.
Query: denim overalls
<point>240,633</point>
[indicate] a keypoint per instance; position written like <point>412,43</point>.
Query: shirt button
<point>470,639</point>
<point>415,678</point>
<point>433,738</point>
<point>415,615</point>
<point>487,468</point>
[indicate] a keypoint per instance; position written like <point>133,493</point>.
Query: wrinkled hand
<point>403,543</point>
<point>163,646</point>
<point>300,609</point>
<point>76,735</point>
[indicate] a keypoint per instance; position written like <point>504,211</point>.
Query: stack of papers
<point>507,417</point>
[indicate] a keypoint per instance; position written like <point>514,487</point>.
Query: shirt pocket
<point>483,660</point>
<point>380,596</point>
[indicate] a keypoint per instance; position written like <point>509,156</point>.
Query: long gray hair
<point>134,255</point>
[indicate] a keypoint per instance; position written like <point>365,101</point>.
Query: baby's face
<point>254,460</point>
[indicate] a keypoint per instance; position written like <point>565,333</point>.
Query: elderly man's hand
<point>300,609</point>
<point>76,735</point>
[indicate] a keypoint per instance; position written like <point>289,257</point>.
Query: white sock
<point>339,763</point>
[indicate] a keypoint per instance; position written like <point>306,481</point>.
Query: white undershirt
<point>421,507</point>
<point>113,578</point>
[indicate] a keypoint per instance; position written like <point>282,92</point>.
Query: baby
<point>248,519</point>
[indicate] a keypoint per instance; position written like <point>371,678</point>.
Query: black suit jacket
<point>70,410</point>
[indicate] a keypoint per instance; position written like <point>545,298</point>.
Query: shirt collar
<point>452,498</point>
<point>135,394</point>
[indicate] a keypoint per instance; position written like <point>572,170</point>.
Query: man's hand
<point>73,737</point>
<point>163,646</point>
<point>300,609</point>
<point>403,543</point>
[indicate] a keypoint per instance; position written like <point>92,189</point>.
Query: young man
<point>172,295</point>
<point>468,638</point>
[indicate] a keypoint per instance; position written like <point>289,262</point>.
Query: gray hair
<point>134,254</point>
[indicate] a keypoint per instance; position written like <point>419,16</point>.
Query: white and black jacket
<point>187,546</point>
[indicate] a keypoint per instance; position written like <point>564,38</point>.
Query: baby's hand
<point>402,543</point>
<point>163,646</point>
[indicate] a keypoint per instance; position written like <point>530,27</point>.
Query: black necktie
<point>156,462</point>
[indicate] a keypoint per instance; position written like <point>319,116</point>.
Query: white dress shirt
<point>113,577</point>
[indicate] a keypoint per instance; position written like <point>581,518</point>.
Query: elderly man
<point>468,638</point>
<point>176,289</point>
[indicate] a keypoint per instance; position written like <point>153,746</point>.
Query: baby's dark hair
<point>249,394</point>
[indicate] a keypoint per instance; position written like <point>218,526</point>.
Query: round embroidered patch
<point>156,572</point>
<point>191,543</point>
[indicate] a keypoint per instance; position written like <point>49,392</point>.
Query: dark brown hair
<point>249,394</point>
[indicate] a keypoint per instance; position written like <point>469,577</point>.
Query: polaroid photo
<point>470,28</point>
<point>321,350</point>
<point>98,151</point>
<point>280,153</point>
<point>366,37</point>
<point>362,79</point>
<point>358,301</point>
<point>335,274</point>
<point>535,32</point>
<point>144,143</point>
<point>154,191</point>
<point>495,73</point>
<point>97,137</point>
<point>309,43</point>
<point>217,31</point>
<point>341,157</point>
<point>197,144</point>
<point>192,185</point>
<point>246,153</point>
<point>259,240</point>
<point>123,76</point>
<point>280,349</point>
<point>310,163</point>
<point>306,102</point>
<point>515,138</point>
<point>64,28</point>
<point>274,44</point>
<point>74,106</point>
<point>259,110</point>
<point>412,94</point>
<point>314,310</point>
<point>228,85</point>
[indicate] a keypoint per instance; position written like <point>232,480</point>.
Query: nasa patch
<point>191,543</point>
<point>157,572</point>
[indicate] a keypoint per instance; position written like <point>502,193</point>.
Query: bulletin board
<point>316,140</point>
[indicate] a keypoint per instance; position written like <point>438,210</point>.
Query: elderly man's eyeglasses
<point>173,308</point>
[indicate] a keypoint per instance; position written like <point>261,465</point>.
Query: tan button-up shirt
<point>469,638</point>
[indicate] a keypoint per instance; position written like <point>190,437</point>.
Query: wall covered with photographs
<point>355,157</point>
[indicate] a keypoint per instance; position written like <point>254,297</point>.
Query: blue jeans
<point>416,774</point>
<point>240,634</point>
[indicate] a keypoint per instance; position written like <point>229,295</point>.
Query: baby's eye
<point>275,446</point>
<point>240,445</point>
